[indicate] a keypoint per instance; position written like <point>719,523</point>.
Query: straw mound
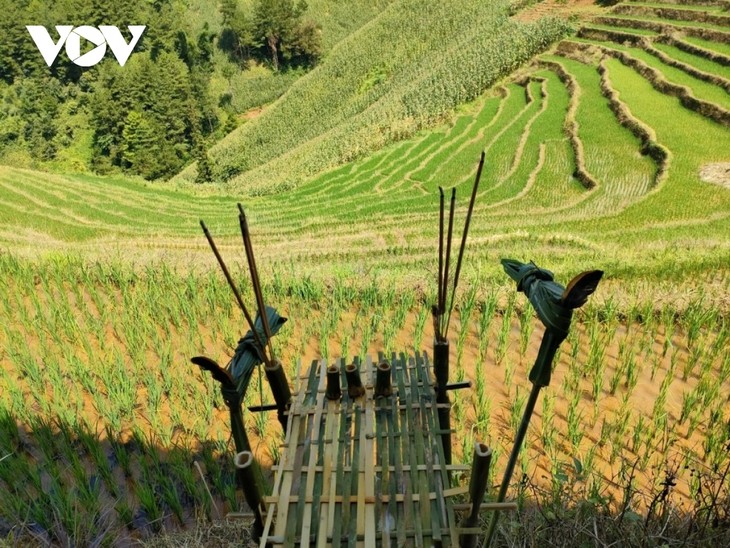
<point>718,173</point>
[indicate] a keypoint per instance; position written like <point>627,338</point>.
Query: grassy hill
<point>364,96</point>
<point>608,151</point>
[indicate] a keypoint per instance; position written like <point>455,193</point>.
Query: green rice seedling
<point>179,461</point>
<point>465,312</point>
<point>124,512</point>
<point>145,492</point>
<point>597,350</point>
<point>467,446</point>
<point>459,409</point>
<point>639,434</point>
<point>615,379</point>
<point>509,370</point>
<point>697,317</point>
<point>696,354</point>
<point>574,416</point>
<point>228,490</point>
<point>503,339</point>
<point>406,302</point>
<point>724,374</point>
<point>571,381</point>
<point>488,309</point>
<point>709,390</point>
<point>632,373</point>
<point>324,334</point>
<point>94,449</point>
<point>390,330</point>
<point>483,416</point>
<point>659,409</point>
<point>121,455</point>
<point>526,329</point>
<point>261,421</point>
<point>273,444</point>
<point>689,401</point>
<point>610,313</point>
<point>171,497</point>
<point>588,462</point>
<point>722,337</point>
<point>421,317</point>
<point>516,409</point>
<point>345,342</point>
<point>695,417</point>
<point>669,322</point>
<point>656,361</point>
<point>599,370</point>
<point>715,442</point>
<point>547,426</point>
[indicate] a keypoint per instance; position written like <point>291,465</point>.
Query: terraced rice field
<point>594,153</point>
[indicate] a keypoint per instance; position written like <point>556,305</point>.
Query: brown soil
<point>581,9</point>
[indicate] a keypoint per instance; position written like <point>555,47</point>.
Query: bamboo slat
<point>363,472</point>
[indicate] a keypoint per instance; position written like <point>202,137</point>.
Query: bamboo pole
<point>467,222</point>
<point>249,479</point>
<point>258,294</point>
<point>250,321</point>
<point>550,342</point>
<point>447,260</point>
<point>333,391</point>
<point>273,369</point>
<point>477,489</point>
<point>355,388</point>
<point>383,387</point>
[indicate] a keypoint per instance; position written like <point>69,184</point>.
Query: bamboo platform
<point>367,471</point>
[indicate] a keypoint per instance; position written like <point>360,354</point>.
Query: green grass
<point>700,63</point>
<point>700,89</point>
<point>671,22</point>
<point>689,7</point>
<point>627,30</point>
<point>709,44</point>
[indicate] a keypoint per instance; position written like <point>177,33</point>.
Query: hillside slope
<point>365,95</point>
<point>596,154</point>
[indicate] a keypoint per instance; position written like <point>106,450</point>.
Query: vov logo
<point>105,35</point>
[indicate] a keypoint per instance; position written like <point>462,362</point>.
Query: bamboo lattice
<point>366,471</point>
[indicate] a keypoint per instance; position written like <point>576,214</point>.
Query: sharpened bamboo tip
<point>243,460</point>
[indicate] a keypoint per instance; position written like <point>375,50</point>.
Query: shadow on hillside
<point>65,484</point>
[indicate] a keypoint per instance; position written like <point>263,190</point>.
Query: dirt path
<point>581,9</point>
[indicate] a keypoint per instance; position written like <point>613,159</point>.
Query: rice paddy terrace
<point>610,151</point>
<point>596,149</point>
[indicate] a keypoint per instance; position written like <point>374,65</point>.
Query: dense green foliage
<point>170,100</point>
<point>145,118</point>
<point>275,31</point>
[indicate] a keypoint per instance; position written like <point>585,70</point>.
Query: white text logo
<point>102,37</point>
